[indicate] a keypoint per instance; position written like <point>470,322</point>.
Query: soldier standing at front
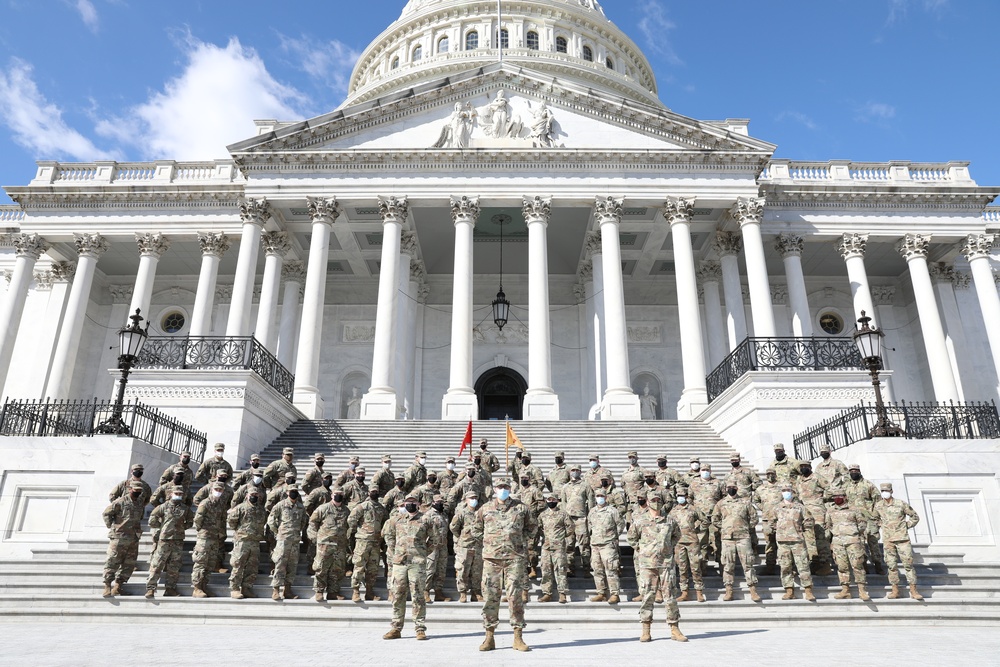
<point>168,523</point>
<point>365,523</point>
<point>606,525</point>
<point>247,521</point>
<point>577,501</point>
<point>286,521</point>
<point>328,531</point>
<point>437,558</point>
<point>657,538</point>
<point>209,470</point>
<point>210,522</point>
<point>862,496</point>
<point>766,497</point>
<point>733,517</point>
<point>468,549</point>
<point>559,474</point>
<point>506,525</point>
<point>123,518</point>
<point>687,553</point>
<point>409,538</point>
<point>124,488</point>
<point>895,517</point>
<point>275,472</point>
<point>793,531</point>
<point>557,534</point>
<point>846,529</point>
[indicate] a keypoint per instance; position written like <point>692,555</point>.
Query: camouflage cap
<point>138,466</point>
<point>734,457</point>
<point>220,446</point>
<point>694,459</point>
<point>287,450</point>
<point>471,494</point>
<point>177,488</point>
<point>289,475</point>
<point>218,486</point>
<point>438,498</point>
<point>662,457</point>
<point>222,473</point>
<point>681,489</point>
<point>420,453</point>
<point>824,447</point>
<point>187,454</point>
<point>838,491</point>
<point>885,486</point>
<point>707,467</point>
<point>258,473</point>
<point>399,475</point>
<point>360,470</point>
<point>631,454</point>
<point>291,487</point>
<point>137,486</point>
<point>387,458</point>
<point>559,455</point>
<point>255,457</point>
<point>779,447</point>
<point>551,495</point>
<point>575,466</point>
<point>525,453</point>
<point>786,487</point>
<point>318,456</point>
<point>254,491</point>
<point>449,459</point>
<point>600,492</point>
<point>502,483</point>
<point>355,459</point>
<point>655,499</point>
<point>409,498</point>
<point>327,474</point>
<point>854,466</point>
<point>483,441</point>
<point>470,466</point>
<point>770,469</point>
<point>805,464</point>
<point>594,457</point>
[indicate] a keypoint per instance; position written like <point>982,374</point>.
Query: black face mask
<point>825,456</point>
<point>470,474</point>
<point>731,491</point>
<point>254,499</point>
<point>294,495</point>
<point>736,464</point>
<point>605,483</point>
<point>360,479</point>
<point>662,463</point>
<point>255,464</point>
<point>780,456</point>
<point>525,482</point>
<point>223,480</point>
<point>338,497</point>
<point>135,494</point>
<point>327,483</point>
<point>855,476</point>
<point>185,460</point>
<point>641,502</point>
<point>137,474</point>
<point>432,480</point>
<point>482,447</point>
<point>651,481</point>
<point>477,462</point>
<point>319,464</point>
<point>410,507</point>
<point>399,483</point>
<point>805,472</point>
<point>559,460</point>
<point>178,479</point>
<point>438,506</point>
<point>526,460</point>
<point>772,478</point>
<point>552,504</point>
<point>373,495</point>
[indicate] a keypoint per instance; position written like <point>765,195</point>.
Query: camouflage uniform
<point>846,527</point>
<point>384,480</point>
<point>862,496</point>
<point>121,489</point>
<point>348,473</point>
<point>704,494</point>
<point>394,497</point>
<point>447,478</point>
<point>210,468</point>
<point>355,491</point>
<point>409,538</point>
<point>526,467</point>
<point>505,528</point>
<point>558,476</point>
<point>895,517</point>
<point>483,477</point>
<point>661,490</point>
<point>247,520</point>
<point>210,522</point>
<point>168,475</point>
<point>328,529</point>
<point>286,522</point>
<point>244,476</point>
<point>832,471</point>
<point>766,497</point>
<point>437,558</point>
<point>687,552</point>
<point>240,493</point>
<point>414,476</point>
<point>425,493</point>
<point>787,469</point>
<point>365,523</point>
<point>813,492</point>
<point>123,518</point>
<point>557,529</point>
<point>168,521</point>
<point>632,480</point>
<point>666,476</point>
<point>318,497</point>
<point>274,473</point>
<point>313,478</point>
<point>577,500</point>
<point>228,494</point>
<point>593,476</point>
<point>746,480</point>
<point>532,497</point>
<point>489,459</point>
<point>606,525</point>
<point>462,488</point>
<point>163,491</point>
<point>657,541</point>
<point>733,516</point>
<point>468,550</point>
<point>793,525</point>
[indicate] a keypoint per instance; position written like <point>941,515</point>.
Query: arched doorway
<point>500,392</point>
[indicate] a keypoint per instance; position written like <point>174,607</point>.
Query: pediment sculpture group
<point>497,121</point>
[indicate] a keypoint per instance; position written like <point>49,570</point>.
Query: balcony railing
<point>81,419</point>
<point>217,352</point>
<point>917,420</point>
<point>762,354</point>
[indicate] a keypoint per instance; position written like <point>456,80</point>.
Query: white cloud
<point>87,12</point>
<point>798,117</point>
<point>655,27</point>
<point>331,61</point>
<point>211,104</point>
<point>876,112</point>
<point>899,8</point>
<point>36,123</point>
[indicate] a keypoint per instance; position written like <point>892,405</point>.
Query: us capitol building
<point>642,253</point>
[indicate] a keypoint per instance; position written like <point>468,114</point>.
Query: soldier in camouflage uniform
<point>254,481</point>
<point>168,475</point>
<point>409,538</point>
<point>209,469</point>
<point>247,520</point>
<point>437,558</point>
<point>210,522</point>
<point>733,516</point>
<point>165,491</point>
<point>328,529</point>
<point>274,474</point>
<point>693,472</point>
<point>522,465</point>
<point>347,474</point>
<point>505,525</point>
<point>862,496</point>
<point>596,472</point>
<point>631,481</point>
<point>529,494</point>
<point>651,486</point>
<point>384,479</point>
<point>320,495</point>
<point>657,537</point>
<point>355,490</point>
<point>286,522</point>
<point>895,517</point>
<point>813,492</point>
<point>640,515</point>
<point>277,493</point>
<point>666,476</point>
<point>168,523</point>
<point>424,493</point>
<point>834,472</point>
<point>365,525</point>
<point>746,480</point>
<point>785,467</point>
<point>468,481</point>
<point>483,476</point>
<point>559,474</point>
<point>447,477</point>
<point>846,528</point>
<point>228,494</point>
<point>468,549</point>
<point>687,552</point>
<point>606,526</point>
<point>245,476</point>
<point>766,497</point>
<point>489,459</point>
<point>396,494</point>
<point>793,529</point>
<point>123,517</point>
<point>704,492</point>
<point>314,477</point>
<point>577,501</point>
<point>616,498</point>
<point>416,474</point>
<point>557,529</point>
<point>123,488</point>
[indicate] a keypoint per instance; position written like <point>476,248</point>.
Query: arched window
<point>443,45</point>
<point>610,63</point>
<point>533,40</point>
<point>561,44</point>
<point>588,54</point>
<point>504,39</point>
<point>395,63</point>
<point>418,53</point>
<point>472,41</point>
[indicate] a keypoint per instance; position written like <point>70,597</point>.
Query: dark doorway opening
<point>500,392</point>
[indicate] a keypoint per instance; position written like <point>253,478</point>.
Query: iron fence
<point>82,419</point>
<point>808,354</point>
<point>217,352</point>
<point>917,421</point>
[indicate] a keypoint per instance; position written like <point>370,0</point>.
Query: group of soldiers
<point>505,531</point>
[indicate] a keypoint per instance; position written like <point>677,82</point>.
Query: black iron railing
<point>81,419</point>
<point>917,420</point>
<point>761,354</point>
<point>217,352</point>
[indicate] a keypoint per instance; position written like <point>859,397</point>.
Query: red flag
<point>467,440</point>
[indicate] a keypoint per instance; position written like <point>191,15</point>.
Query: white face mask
<point>593,464</point>
<point>258,480</point>
<point>218,455</point>
<point>177,497</point>
<point>633,461</point>
<point>787,495</point>
<point>421,461</point>
<point>386,465</point>
<point>450,466</point>
<point>695,466</point>
<point>353,466</point>
<point>681,500</point>
<point>402,510</point>
<point>706,474</point>
<point>503,494</point>
<point>887,494</point>
<point>216,494</point>
<point>601,500</point>
<point>473,503</point>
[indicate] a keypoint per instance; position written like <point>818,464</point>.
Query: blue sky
<point>870,80</point>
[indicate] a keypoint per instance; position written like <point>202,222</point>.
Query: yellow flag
<point>512,439</point>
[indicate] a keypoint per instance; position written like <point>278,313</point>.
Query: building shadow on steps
<point>577,643</point>
<point>724,633</point>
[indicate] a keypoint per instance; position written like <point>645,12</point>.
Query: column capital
<point>779,294</point>
<point>275,243</point>
<point>586,272</point>
<point>748,210</point>
<point>90,245</point>
<point>323,209</point>
<point>408,244</point>
<point>422,293</point>
<point>912,246</point>
<point>580,292</point>
<point>152,244</point>
<point>789,245</point>
<point>224,293</point>
<point>592,244</point>
<point>417,271</point>
<point>961,279</point>
<point>852,245</point>
<point>29,245</point>
<point>393,209</point>
<point>293,272</point>
<point>976,246</point>
<point>255,211</point>
<point>43,280</point>
<point>465,209</point>
<point>678,209</point>
<point>941,273</point>
<point>213,243</point>
<point>121,293</point>
<point>62,272</point>
<point>727,243</point>
<point>882,295</point>
<point>710,272</point>
<point>609,209</point>
<point>536,209</point>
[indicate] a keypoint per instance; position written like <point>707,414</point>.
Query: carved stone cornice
<point>852,245</point>
<point>609,209</point>
<point>417,271</point>
<point>255,211</point>
<point>393,209</point>
<point>90,245</point>
<point>727,243</point>
<point>961,279</point>
<point>62,272</point>
<point>710,272</point>
<point>789,245</point>
<point>29,245</point>
<point>580,293</point>
<point>325,210</point>
<point>408,244</point>
<point>942,273</point>
<point>977,246</point>
<point>592,244</point>
<point>882,295</point>
<point>121,293</point>
<point>223,293</point>
<point>586,272</point>
<point>43,280</point>
<point>293,272</point>
<point>152,244</point>
<point>678,209</point>
<point>779,294</point>
<point>913,246</point>
<point>275,243</point>
<point>422,293</point>
<point>465,209</point>
<point>536,209</point>
<point>213,243</point>
<point>748,210</point>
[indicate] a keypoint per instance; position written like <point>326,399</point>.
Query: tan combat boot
<point>439,596</point>
<point>598,598</point>
<point>545,598</point>
<point>463,598</point>
<point>532,573</point>
<point>637,598</point>
<point>392,634</point>
<point>370,594</point>
<point>356,595</point>
<point>863,592</point>
<point>646,636</point>
<point>107,591</point>
<point>683,597</point>
<point>525,597</point>
<point>844,594</point>
<point>199,592</point>
<point>150,593</point>
<point>700,594</point>
<point>753,594</point>
<point>236,595</point>
<point>421,635</point>
<point>729,594</point>
<point>171,593</point>
<point>289,595</point>
<point>913,592</point>
<point>116,589</point>
<point>488,643</point>
<point>894,593</point>
<point>563,598</point>
<point>276,594</point>
<point>676,634</point>
<point>789,593</point>
<point>479,597</point>
<point>807,593</point>
<point>519,644</point>
<point>614,599</point>
<point>659,598</point>
<point>427,596</point>
<point>319,596</point>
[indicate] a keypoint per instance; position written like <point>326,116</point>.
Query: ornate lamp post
<point>131,338</point>
<point>501,306</point>
<point>869,342</point>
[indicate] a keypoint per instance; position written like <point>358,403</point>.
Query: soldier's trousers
<point>604,562</point>
<point>582,536</point>
<point>554,565</point>
<point>823,553</point>
<point>688,559</point>
<point>205,555</point>
<point>469,569</point>
<point>770,548</point>
<point>166,559</point>
<point>244,560</point>
<point>743,549</point>
<point>652,580</point>
<point>872,547</point>
<point>328,568</point>
<point>366,553</point>
<point>849,556</point>
<point>437,566</point>
<point>409,577</point>
<point>794,556</point>
<point>896,554</point>
<point>120,564</point>
<point>499,574</point>
<point>710,543</point>
<point>285,557</point>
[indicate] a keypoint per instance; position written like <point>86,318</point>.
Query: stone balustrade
<point>839,171</point>
<point>132,173</point>
<point>9,214</point>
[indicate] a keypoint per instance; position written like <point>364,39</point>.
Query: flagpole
<point>499,41</point>
<point>506,447</point>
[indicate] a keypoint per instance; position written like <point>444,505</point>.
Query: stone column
<point>90,247</point>
<point>407,330</point>
<point>728,246</point>
<point>942,277</point>
<point>276,246</point>
<point>913,248</point>
<point>711,275</point>
<point>255,213</point>
<point>57,280</point>
<point>748,212</point>
<point>540,401</point>
<point>977,248</point>
<point>380,400</point>
<point>790,248</point>
<point>213,246</point>
<point>591,279</point>
<point>460,400</point>
<point>324,213</point>
<point>677,211</point>
<point>620,402</point>
<point>28,248</point>
<point>294,275</point>
<point>852,249</point>
<point>151,248</point>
